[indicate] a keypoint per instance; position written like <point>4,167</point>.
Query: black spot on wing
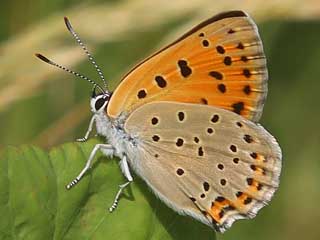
<point>155,138</point>
<point>220,49</point>
<point>233,148</point>
<point>220,199</point>
<point>238,107</point>
<point>247,73</point>
<point>248,138</point>
<point>204,101</point>
<point>247,89</point>
<point>200,151</point>
<point>220,166</point>
<point>227,61</point>
<point>181,116</point>
<point>161,82</point>
<point>180,171</point>
<point>244,59</point>
<point>240,46</point>
<point>185,70</point>
<point>254,155</point>
<point>206,186</point>
<point>249,181</point>
<point>154,121</point>
<point>222,88</point>
<point>179,142</point>
<point>215,118</point>
<point>247,200</point>
<point>216,75</point>
<point>205,43</point>
<point>142,94</point>
<point>209,130</point>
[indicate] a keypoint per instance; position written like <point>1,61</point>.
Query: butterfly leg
<point>108,150</point>
<point>85,138</point>
<point>126,171</point>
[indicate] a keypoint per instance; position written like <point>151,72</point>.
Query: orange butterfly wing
<point>220,62</point>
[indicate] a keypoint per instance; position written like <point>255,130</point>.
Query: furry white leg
<point>88,164</point>
<point>127,174</point>
<point>85,138</point>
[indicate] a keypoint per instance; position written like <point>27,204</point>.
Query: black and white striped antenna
<point>75,35</point>
<point>94,63</point>
<point>45,59</point>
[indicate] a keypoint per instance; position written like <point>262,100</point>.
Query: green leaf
<point>34,203</point>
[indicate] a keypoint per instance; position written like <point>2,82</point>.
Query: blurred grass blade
<point>57,129</point>
<point>21,75</point>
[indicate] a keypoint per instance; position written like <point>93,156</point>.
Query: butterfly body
<point>184,120</point>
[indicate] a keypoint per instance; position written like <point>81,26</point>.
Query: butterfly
<point>185,121</point>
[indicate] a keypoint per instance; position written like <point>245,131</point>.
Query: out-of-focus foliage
<point>43,106</point>
<point>36,204</point>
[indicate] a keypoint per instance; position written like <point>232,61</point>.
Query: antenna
<point>75,35</point>
<point>43,58</point>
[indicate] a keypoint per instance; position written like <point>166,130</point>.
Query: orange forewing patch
<point>220,63</point>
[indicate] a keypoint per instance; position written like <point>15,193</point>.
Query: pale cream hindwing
<point>203,161</point>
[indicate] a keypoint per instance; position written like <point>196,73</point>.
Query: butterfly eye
<point>99,103</point>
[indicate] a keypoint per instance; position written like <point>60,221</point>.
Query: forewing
<point>204,161</point>
<point>220,63</point>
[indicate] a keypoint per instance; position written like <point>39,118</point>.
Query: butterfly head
<point>99,101</point>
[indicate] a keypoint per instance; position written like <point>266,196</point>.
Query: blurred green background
<point>43,106</point>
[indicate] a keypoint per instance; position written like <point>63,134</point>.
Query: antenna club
<point>43,58</point>
<point>68,24</point>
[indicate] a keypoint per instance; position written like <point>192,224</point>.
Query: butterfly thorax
<point>115,134</point>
